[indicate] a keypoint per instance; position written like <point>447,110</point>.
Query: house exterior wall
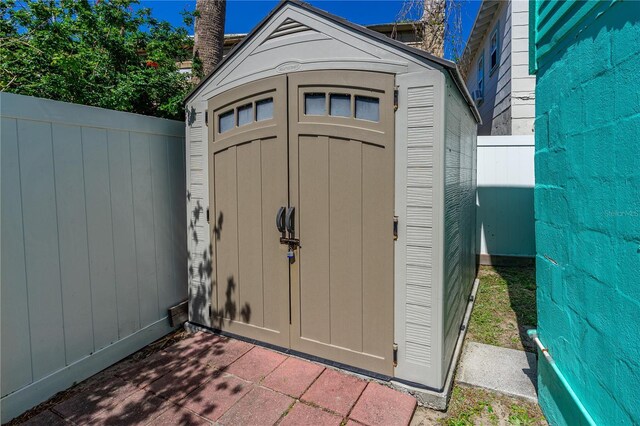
<point>459,217</point>
<point>93,237</point>
<point>495,109</point>
<point>508,105</point>
<point>586,57</point>
<point>522,83</point>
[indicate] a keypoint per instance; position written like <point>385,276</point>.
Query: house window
<point>480,91</point>
<point>494,53</point>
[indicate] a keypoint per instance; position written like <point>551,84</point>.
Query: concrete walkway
<point>207,378</point>
<point>507,371</point>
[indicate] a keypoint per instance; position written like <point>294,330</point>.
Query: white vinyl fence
<point>505,218</point>
<point>93,241</point>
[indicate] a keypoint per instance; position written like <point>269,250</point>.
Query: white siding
<point>198,245</point>
<point>86,211</point>
<point>495,109</point>
<point>509,98</point>
<point>523,90</point>
<point>418,323</point>
<point>418,193</point>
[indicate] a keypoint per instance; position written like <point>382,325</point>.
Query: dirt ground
<point>469,406</point>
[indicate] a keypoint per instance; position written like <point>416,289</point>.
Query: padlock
<point>290,254</point>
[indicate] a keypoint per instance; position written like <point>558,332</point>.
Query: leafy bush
<point>110,54</point>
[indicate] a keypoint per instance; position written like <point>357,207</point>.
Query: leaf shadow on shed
<point>208,306</point>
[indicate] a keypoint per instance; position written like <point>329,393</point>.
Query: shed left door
<point>248,183</point>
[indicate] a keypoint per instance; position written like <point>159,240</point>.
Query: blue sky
<point>243,15</point>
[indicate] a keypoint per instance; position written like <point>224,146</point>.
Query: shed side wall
<point>459,217</point>
<point>198,240</point>
<point>419,123</point>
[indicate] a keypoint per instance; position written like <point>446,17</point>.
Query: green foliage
<point>106,53</point>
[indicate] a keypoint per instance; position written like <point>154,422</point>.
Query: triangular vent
<point>289,26</point>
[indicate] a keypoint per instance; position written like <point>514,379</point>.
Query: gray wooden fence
<point>93,241</point>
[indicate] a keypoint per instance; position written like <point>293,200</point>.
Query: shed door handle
<point>280,219</point>
<point>291,213</point>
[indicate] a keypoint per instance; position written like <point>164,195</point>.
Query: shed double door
<point>318,148</point>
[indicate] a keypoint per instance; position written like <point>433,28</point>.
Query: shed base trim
<point>193,327</point>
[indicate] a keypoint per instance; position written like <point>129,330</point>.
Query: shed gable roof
<point>290,26</point>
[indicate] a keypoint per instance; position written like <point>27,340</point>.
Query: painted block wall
<point>587,208</point>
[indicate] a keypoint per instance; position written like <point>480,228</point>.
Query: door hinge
<point>395,354</point>
<point>207,214</point>
<point>210,312</point>
<point>395,99</point>
<point>395,228</point>
<point>206,118</point>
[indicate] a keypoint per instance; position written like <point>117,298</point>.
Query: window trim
<point>495,32</point>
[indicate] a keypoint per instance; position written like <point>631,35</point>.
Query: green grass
<point>470,406</point>
<point>505,307</point>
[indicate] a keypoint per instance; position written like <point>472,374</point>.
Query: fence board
<point>124,244</point>
<point>145,237</point>
<point>162,219</point>
<point>100,231</point>
<point>93,241</point>
<point>41,247</point>
<point>72,233</point>
<point>16,348</point>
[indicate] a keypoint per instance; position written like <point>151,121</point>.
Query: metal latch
<point>395,354</point>
<point>395,99</point>
<point>292,242</point>
<point>395,228</point>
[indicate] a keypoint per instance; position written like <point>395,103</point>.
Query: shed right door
<point>341,180</point>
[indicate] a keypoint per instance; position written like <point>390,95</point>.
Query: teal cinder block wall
<point>587,208</point>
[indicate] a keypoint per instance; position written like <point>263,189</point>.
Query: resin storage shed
<point>331,183</point>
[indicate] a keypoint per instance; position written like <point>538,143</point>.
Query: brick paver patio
<point>206,379</point>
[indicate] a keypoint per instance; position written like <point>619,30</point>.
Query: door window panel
<point>314,104</point>
<point>264,109</point>
<point>226,121</point>
<point>367,108</point>
<point>245,114</point>
<point>340,105</point>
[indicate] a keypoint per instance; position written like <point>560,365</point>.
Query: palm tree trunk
<point>209,34</point>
